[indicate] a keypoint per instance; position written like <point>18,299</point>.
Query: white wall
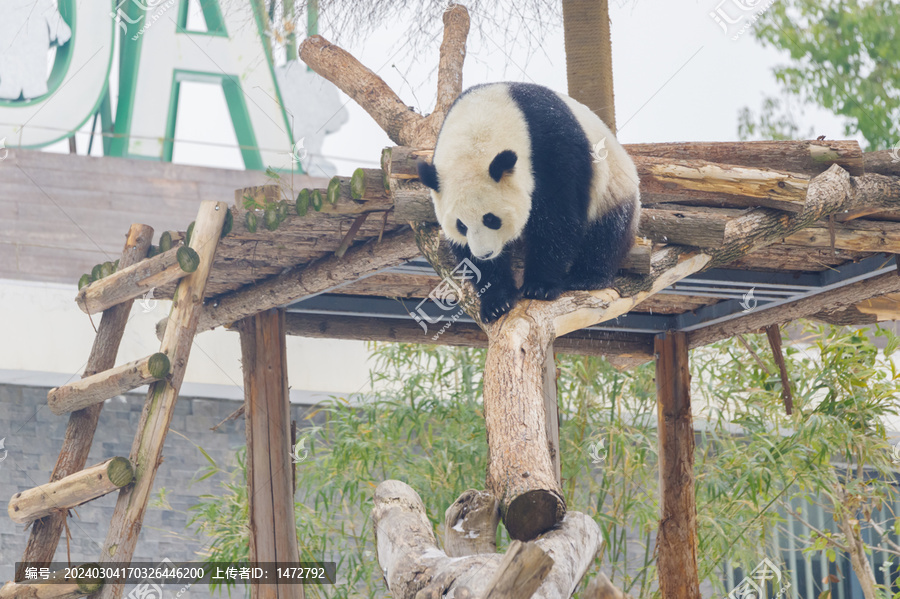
<point>44,331</point>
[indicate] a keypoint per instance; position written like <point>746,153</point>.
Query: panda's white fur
<point>515,160</point>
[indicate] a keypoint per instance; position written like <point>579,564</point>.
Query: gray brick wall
<point>33,436</point>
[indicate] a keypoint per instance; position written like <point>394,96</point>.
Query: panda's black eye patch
<point>492,221</point>
<point>461,227</point>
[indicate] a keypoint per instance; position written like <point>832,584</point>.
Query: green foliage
<point>424,426</point>
<point>844,57</point>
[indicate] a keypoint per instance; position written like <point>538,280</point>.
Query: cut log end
<point>158,365</point>
<point>533,513</point>
<point>119,471</point>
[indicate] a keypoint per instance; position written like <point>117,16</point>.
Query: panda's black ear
<point>502,164</point>
<point>428,175</point>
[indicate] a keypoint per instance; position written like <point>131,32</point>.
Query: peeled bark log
<point>413,566</point>
<point>470,524</point>
<point>107,384</point>
<point>130,282</point>
<point>70,491</point>
<point>523,569</point>
<point>810,157</point>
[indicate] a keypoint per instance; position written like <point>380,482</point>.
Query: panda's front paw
<point>495,304</point>
<point>542,290</point>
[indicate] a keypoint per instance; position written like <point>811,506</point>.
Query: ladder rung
<point>133,281</point>
<point>70,491</point>
<point>109,383</point>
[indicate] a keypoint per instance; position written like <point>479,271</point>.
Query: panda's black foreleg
<point>499,293</point>
<point>551,246</point>
<point>603,249</point>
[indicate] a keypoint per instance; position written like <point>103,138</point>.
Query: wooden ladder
<point>71,484</point>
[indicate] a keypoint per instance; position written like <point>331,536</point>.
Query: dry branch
<point>400,122</point>
<point>70,491</point>
<point>76,446</point>
<point>109,383</point>
<point>773,332</point>
<point>413,565</point>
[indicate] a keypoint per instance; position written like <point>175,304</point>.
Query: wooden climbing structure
<point>734,238</point>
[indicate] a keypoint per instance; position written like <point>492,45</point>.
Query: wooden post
<point>273,536</point>
<point>677,537</point>
<point>76,445</point>
<point>589,56</point>
<point>146,450</point>
<point>551,411</point>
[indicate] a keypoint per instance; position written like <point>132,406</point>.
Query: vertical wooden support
<point>146,450</point>
<point>79,436</point>
<point>551,411</point>
<point>677,537</point>
<point>589,56</point>
<point>273,536</point>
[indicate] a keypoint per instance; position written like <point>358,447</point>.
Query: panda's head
<point>479,203</point>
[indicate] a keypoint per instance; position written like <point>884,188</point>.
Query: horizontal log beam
<point>666,180</point>
<point>307,280</point>
<point>109,383</point>
<point>71,491</point>
<point>827,301</point>
<point>886,307</point>
<point>662,181</point>
<point>466,334</point>
<point>856,235</point>
<point>883,162</point>
<point>131,282</point>
<point>810,157</point>
<point>688,226</point>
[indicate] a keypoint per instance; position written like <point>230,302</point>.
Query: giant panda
<point>519,160</point>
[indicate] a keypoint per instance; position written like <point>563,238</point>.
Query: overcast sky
<point>678,77</point>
